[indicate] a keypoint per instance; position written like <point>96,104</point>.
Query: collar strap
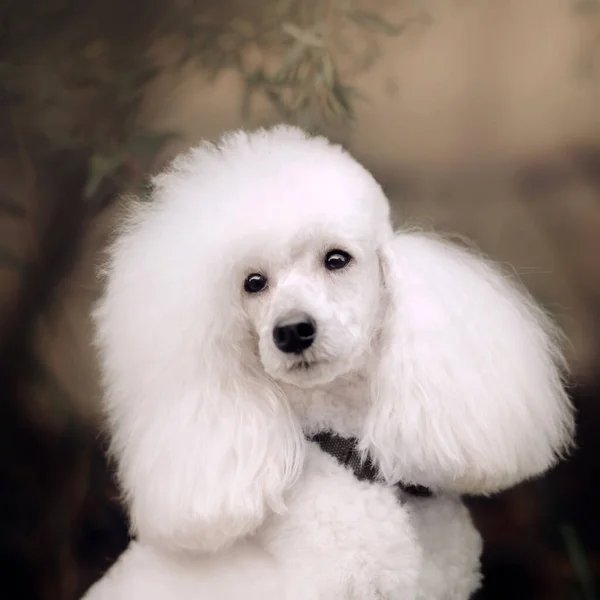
<point>345,451</point>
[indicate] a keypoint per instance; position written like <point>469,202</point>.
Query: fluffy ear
<point>205,444</point>
<point>468,396</point>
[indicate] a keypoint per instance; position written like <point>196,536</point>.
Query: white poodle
<point>262,331</point>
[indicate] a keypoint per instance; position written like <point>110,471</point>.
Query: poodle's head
<point>288,230</point>
<point>255,263</point>
<point>269,259</point>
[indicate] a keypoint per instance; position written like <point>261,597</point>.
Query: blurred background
<point>480,117</point>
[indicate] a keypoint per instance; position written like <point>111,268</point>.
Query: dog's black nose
<point>295,336</point>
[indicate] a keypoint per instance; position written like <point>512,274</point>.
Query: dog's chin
<point>304,373</point>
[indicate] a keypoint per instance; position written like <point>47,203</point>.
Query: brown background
<point>482,119</point>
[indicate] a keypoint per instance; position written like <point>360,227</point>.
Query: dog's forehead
<point>320,191</point>
<point>240,199</point>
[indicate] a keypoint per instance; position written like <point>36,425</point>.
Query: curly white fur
<point>444,369</point>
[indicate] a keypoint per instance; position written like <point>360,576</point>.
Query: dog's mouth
<point>304,364</point>
<point>307,372</point>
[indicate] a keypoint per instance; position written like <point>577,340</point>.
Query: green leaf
<point>305,36</point>
<point>101,167</point>
<point>342,94</point>
<point>328,70</point>
<point>291,59</point>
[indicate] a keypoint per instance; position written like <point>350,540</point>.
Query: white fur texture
<point>442,536</point>
<point>443,368</point>
<point>469,396</point>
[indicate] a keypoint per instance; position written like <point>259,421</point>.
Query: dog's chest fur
<point>342,537</point>
<point>340,407</point>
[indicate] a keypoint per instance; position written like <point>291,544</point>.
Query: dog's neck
<point>340,406</point>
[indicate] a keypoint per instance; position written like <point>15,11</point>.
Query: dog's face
<point>313,304</point>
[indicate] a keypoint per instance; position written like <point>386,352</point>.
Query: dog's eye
<point>336,260</point>
<point>254,283</point>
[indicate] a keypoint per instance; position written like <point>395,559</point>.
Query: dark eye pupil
<point>255,283</point>
<point>336,259</point>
